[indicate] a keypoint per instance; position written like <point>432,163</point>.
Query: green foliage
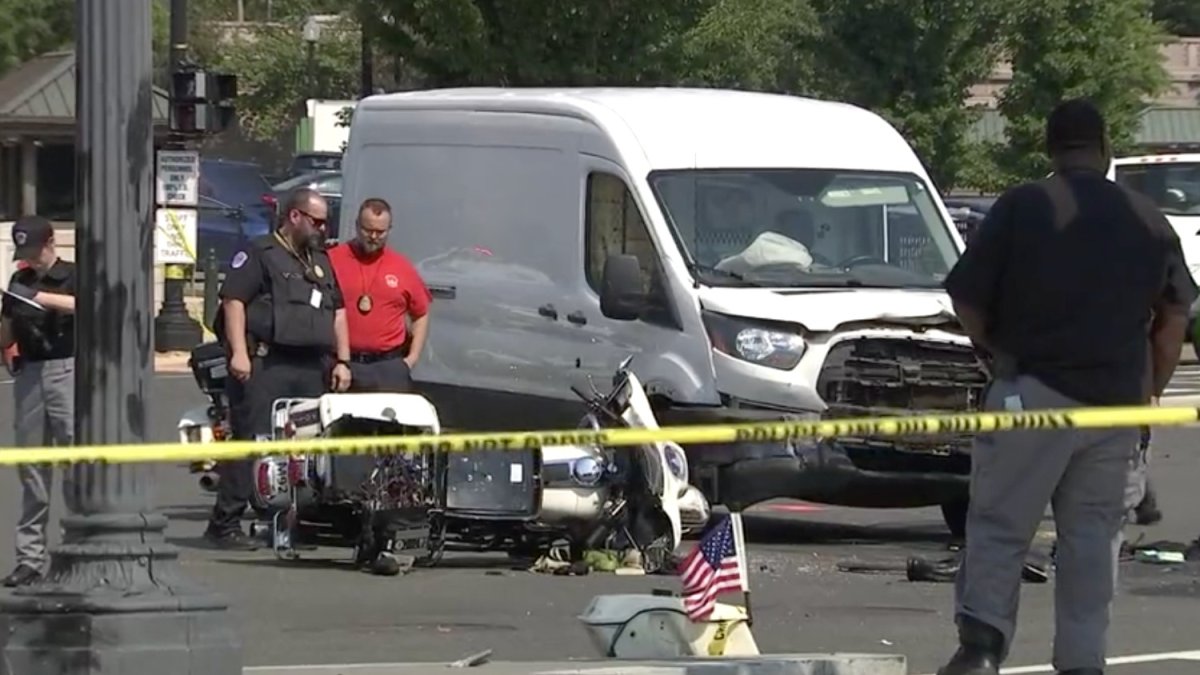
<point>1104,50</point>
<point>275,71</point>
<point>1180,17</point>
<point>751,44</point>
<point>29,28</point>
<point>913,62</point>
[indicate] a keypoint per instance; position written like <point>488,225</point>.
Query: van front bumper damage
<point>863,377</point>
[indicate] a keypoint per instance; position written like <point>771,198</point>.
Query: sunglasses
<point>317,222</point>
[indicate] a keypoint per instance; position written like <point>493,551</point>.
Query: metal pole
<point>174,328</point>
<point>367,56</point>
<point>115,599</point>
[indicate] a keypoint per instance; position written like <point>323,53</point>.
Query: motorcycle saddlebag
<point>494,484</point>
<point>209,366</point>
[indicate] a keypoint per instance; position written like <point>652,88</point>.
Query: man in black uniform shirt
<point>1060,287</point>
<point>38,315</point>
<point>284,327</point>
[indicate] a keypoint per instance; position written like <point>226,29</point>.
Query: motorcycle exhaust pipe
<point>209,481</point>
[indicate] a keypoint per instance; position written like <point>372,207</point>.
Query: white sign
<point>177,178</point>
<point>175,237</point>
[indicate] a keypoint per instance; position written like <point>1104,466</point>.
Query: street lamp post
<point>312,35</point>
<point>115,599</point>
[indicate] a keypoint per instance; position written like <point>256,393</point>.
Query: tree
<point>1180,17</point>
<point>32,28</point>
<point>1104,50</point>
<point>272,62</point>
<point>913,62</point>
<point>751,44</point>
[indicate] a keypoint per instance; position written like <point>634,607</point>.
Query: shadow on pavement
<point>762,529</point>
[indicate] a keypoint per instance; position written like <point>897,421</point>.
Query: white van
<point>761,256</point>
<point>1172,181</point>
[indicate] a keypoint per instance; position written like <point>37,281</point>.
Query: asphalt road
<point>321,612</point>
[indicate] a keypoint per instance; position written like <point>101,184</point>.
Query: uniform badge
<point>19,238</point>
<point>320,273</point>
<point>239,260</point>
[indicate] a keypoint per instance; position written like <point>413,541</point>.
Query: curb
<point>780,664</point>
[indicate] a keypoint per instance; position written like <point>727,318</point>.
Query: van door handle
<point>577,318</point>
<point>548,311</point>
<point>444,292</point>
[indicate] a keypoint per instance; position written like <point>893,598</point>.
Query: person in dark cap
<point>1063,282</point>
<point>37,314</point>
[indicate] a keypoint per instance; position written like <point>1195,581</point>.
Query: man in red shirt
<point>382,290</point>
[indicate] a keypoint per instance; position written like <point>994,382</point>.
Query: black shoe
<point>385,565</point>
<point>234,540</point>
<point>980,647</point>
<point>24,575</point>
<point>1146,513</point>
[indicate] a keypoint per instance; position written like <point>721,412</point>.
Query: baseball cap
<point>30,234</point>
<point>1075,123</point>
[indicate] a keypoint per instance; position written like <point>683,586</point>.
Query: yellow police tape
<point>966,423</point>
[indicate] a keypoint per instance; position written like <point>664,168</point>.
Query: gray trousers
<point>1082,474</point>
<point>44,392</point>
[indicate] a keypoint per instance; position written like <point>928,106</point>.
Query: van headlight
<point>767,344</point>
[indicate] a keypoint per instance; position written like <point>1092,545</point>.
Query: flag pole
<point>743,555</point>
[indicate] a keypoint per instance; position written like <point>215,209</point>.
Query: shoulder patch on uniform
<point>239,260</point>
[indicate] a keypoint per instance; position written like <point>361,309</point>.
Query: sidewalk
<point>767,664</point>
<point>171,362</point>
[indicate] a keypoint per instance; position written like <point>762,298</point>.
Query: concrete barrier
<point>778,664</point>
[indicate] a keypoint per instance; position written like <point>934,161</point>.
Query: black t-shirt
<point>1068,272</point>
<point>43,334</point>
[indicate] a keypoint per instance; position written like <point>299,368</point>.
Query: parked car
<point>315,162</point>
<point>968,212</point>
<point>231,210</point>
<point>328,183</point>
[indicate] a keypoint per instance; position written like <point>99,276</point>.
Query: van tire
<point>955,516</point>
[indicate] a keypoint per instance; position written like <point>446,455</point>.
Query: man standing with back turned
<point>1061,285</point>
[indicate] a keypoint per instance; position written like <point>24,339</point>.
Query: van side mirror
<point>621,294</point>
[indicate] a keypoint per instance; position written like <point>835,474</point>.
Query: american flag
<point>712,568</point>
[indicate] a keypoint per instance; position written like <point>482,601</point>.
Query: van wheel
<point>955,515</point>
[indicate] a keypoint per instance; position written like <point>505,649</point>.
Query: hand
<point>341,378</point>
<point>410,361</point>
<point>239,367</point>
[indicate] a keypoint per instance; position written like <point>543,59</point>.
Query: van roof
<point>679,128</point>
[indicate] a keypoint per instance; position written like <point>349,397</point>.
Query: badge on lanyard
<point>315,298</point>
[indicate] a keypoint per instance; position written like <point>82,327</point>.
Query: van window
<point>614,226</point>
<point>807,227</point>
<point>1174,186</point>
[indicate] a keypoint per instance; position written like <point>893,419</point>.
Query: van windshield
<point>807,227</point>
<point>1174,186</point>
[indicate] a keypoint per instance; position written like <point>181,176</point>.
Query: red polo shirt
<point>395,289</point>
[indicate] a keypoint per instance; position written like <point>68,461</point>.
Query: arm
<point>243,283</point>
<point>420,331</point>
<point>975,279</point>
<point>6,333</point>
<point>235,326</point>
<point>419,300</point>
<point>341,333</point>
<point>58,302</point>
<point>1170,316</point>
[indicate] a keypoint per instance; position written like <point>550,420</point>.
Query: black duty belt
<point>374,357</point>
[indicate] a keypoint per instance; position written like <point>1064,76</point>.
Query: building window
<point>56,181</point>
<point>615,226</point>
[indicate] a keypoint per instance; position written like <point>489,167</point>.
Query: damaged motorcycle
<point>592,497</point>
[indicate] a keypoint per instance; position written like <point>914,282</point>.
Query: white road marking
<point>1115,661</point>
